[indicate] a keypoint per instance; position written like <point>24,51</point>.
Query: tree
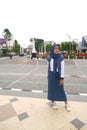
<point>48,48</point>
<point>38,43</point>
<point>16,47</point>
<point>5,52</point>
<point>7,34</point>
<point>62,46</point>
<point>74,46</point>
<point>66,46</point>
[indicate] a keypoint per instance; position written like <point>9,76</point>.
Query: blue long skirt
<point>55,91</point>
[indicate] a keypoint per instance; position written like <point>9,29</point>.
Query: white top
<point>62,67</point>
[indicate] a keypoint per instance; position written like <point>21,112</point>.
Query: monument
<point>34,52</point>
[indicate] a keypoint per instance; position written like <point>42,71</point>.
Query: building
<point>29,49</point>
<point>2,43</point>
<point>6,44</point>
<point>10,44</point>
<point>84,43</point>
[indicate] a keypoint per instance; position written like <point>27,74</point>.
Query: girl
<point>56,78</point>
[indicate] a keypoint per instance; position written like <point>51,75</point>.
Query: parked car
<point>22,54</point>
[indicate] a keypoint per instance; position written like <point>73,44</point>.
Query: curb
<point>39,91</point>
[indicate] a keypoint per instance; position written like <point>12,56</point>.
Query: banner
<point>2,43</point>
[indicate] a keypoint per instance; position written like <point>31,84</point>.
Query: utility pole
<point>70,42</point>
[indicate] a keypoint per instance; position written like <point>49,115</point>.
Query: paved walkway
<point>25,113</point>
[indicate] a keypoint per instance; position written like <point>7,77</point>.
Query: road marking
<point>40,74</point>
<point>83,94</point>
<point>85,77</point>
<point>13,89</point>
<point>13,74</point>
<point>79,69</point>
<point>80,85</point>
<point>40,91</point>
<point>41,83</point>
<point>37,91</point>
<point>22,77</point>
<point>37,62</point>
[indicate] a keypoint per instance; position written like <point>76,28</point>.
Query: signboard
<point>2,43</point>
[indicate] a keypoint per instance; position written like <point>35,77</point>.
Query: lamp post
<point>70,42</point>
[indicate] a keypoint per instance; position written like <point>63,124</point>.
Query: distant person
<point>10,55</point>
<point>56,78</point>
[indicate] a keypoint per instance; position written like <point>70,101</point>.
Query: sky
<point>50,20</point>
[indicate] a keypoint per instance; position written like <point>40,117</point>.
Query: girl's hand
<point>61,82</point>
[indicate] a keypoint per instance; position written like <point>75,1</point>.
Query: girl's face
<point>56,50</point>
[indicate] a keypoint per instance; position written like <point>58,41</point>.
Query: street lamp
<point>70,42</point>
<point>69,36</point>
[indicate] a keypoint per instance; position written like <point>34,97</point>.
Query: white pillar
<point>33,49</point>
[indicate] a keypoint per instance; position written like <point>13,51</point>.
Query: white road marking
<point>13,89</point>
<point>79,69</point>
<point>13,74</point>
<point>37,91</point>
<point>22,77</point>
<point>40,74</point>
<point>83,94</point>
<point>40,91</point>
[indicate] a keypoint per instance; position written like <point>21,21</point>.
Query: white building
<point>10,44</point>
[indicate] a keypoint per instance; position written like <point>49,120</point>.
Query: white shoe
<point>67,107</point>
<point>52,104</point>
<point>55,107</point>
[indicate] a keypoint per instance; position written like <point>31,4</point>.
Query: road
<point>24,74</point>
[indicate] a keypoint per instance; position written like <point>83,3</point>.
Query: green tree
<point>85,44</point>
<point>5,52</point>
<point>62,46</point>
<point>66,46</point>
<point>39,43</point>
<point>16,47</point>
<point>48,48</point>
<point>7,34</point>
<point>74,46</point>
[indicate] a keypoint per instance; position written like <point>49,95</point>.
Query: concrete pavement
<point>22,108</point>
<point>27,113</point>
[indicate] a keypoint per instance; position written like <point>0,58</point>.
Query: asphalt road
<point>22,73</point>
